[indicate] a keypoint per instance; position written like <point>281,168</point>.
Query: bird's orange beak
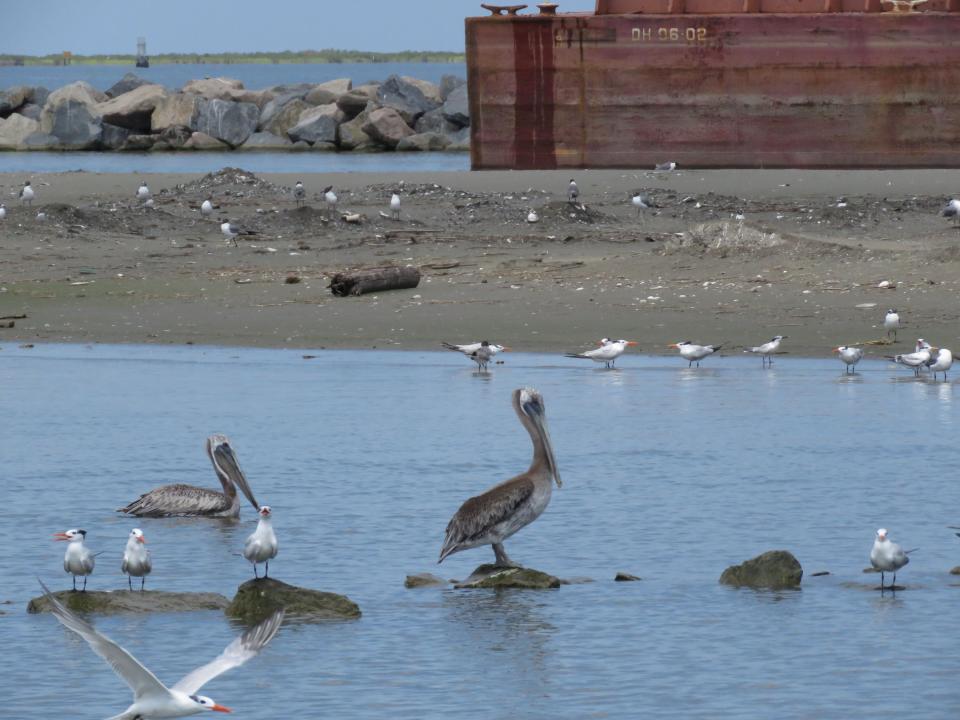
<point>221,708</point>
<point>631,342</point>
<point>142,539</point>
<point>61,536</point>
<point>836,349</point>
<point>599,342</point>
<point>673,345</point>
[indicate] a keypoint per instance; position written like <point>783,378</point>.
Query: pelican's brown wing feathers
<point>173,500</point>
<point>481,513</point>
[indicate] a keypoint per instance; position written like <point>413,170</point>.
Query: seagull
<point>573,192</point>
<point>891,323</point>
<point>665,167</point>
<point>886,556</point>
<point>136,559</point>
<point>143,192</point>
<point>641,202</point>
<point>299,194</point>
<point>395,206</point>
<point>26,193</point>
<point>151,698</point>
<point>206,209</point>
<point>231,231</point>
<point>495,515</point>
<point>917,359</point>
<point>694,353</point>
<point>78,560</point>
<point>767,349</point>
<point>940,362</point>
<point>952,210</point>
<point>149,204</point>
<point>262,545</point>
<point>471,350</point>
<point>41,216</point>
<point>3,211</point>
<point>532,216</point>
<point>607,353</point>
<point>850,356</point>
<point>330,196</point>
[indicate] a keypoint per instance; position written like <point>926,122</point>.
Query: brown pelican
<point>187,500</point>
<point>492,517</point>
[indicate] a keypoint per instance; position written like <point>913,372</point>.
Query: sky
<point>92,27</point>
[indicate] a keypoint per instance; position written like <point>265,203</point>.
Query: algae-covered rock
<point>626,577</point>
<point>955,571</point>
<point>775,569</point>
<point>423,580</point>
<point>256,599</point>
<point>494,576</point>
<point>125,601</point>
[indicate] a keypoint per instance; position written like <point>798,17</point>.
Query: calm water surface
<point>668,473</point>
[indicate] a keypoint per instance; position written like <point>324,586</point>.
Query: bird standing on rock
<point>78,560</point>
<point>887,556</point>
<point>26,193</point>
<point>262,545</point>
<point>395,206</point>
<point>136,559</point>
<point>891,323</point>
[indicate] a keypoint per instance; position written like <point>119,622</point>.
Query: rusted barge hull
<point>751,90</point>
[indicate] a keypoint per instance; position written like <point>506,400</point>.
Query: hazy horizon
<point>105,27</point>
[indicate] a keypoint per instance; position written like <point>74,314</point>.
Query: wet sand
<point>804,261</point>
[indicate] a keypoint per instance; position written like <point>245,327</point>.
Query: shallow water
<point>669,473</point>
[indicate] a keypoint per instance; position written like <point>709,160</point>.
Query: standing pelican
<point>78,560</point>
<point>187,500</point>
<point>136,559</point>
<point>262,545</point>
<point>492,517</point>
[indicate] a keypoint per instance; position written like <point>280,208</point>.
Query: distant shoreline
<point>320,57</point>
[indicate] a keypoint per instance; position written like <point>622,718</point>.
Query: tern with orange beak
<point>151,698</point>
<point>693,353</point>
<point>471,350</point>
<point>492,517</point>
<point>136,559</point>
<point>187,500</point>
<point>849,356</point>
<point>78,560</point>
<point>262,545</point>
<point>607,353</point>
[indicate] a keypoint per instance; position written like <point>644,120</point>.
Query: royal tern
<point>886,556</point>
<point>143,192</point>
<point>26,193</point>
<point>607,353</point>
<point>480,352</point>
<point>693,353</point>
<point>330,196</point>
<point>915,360</point>
<point>136,559</point>
<point>231,231</point>
<point>206,208</point>
<point>395,206</point>
<point>78,560</point>
<point>952,210</point>
<point>187,500</point>
<point>573,192</point>
<point>299,194</point>
<point>941,361</point>
<point>849,356</point>
<point>492,517</point>
<point>151,698</point>
<point>767,349</point>
<point>262,545</point>
<point>891,323</point>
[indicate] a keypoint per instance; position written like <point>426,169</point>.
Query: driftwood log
<point>374,280</point>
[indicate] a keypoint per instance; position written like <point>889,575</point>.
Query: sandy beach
<point>804,261</point>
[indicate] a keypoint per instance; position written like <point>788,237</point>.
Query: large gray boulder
<point>318,125</point>
<point>386,126</point>
<point>39,96</point>
<point>113,137</point>
<point>449,83</point>
<point>134,109</point>
<point>13,98</point>
<point>775,570</point>
<point>266,141</point>
<point>175,110</point>
<point>256,599</point>
<point>431,91</point>
<point>125,601</point>
<point>125,84</point>
<point>279,101</point>
<point>406,98</point>
<point>423,142</point>
<point>350,134</point>
<point>213,88</point>
<point>459,140</point>
<point>355,102</point>
<point>29,110</point>
<point>78,91</point>
<point>434,121</point>
<point>457,107</point>
<point>41,141</point>
<point>15,130</point>
<point>328,92</point>
<point>288,116</point>
<point>231,122</point>
<point>202,141</point>
<point>73,124</point>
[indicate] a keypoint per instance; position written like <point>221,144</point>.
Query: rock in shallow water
<point>626,577</point>
<point>493,576</point>
<point>256,599</point>
<point>124,601</point>
<point>423,580</point>
<point>775,570</point>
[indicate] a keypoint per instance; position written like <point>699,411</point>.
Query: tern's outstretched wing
<point>235,654</point>
<point>141,681</point>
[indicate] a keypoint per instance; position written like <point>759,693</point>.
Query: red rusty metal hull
<point>747,89</point>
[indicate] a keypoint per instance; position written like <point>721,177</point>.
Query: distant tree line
<point>265,58</point>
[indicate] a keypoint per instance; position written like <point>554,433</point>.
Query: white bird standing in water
<point>494,516</point>
<point>573,192</point>
<point>915,360</point>
<point>78,560</point>
<point>849,356</point>
<point>143,192</point>
<point>330,196</point>
<point>952,210</point>
<point>262,545</point>
<point>891,323</point>
<point>136,559</point>
<point>887,556</point>
<point>767,349</point>
<point>693,353</point>
<point>395,206</point>
<point>206,208</point>
<point>480,352</point>
<point>26,193</point>
<point>299,194</point>
<point>151,698</point>
<point>607,353</point>
<point>940,362</point>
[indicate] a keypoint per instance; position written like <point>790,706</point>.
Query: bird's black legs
<point>74,583</point>
<point>503,560</point>
<point>266,571</point>
<point>143,581</point>
<point>84,583</point>
<point>130,583</point>
<point>256,577</point>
